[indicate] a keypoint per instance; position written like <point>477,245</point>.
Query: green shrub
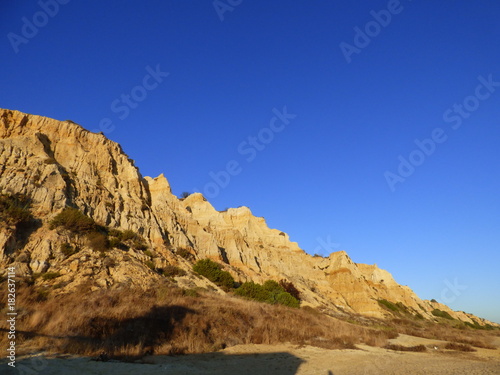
<point>442,314</point>
<point>207,268</point>
<point>184,252</point>
<point>59,285</point>
<point>127,235</point>
<point>14,209</point>
<point>115,233</point>
<point>50,275</point>
<point>402,308</point>
<point>150,265</point>
<point>476,325</point>
<point>173,271</point>
<point>389,305</point>
<point>470,325</point>
<point>50,161</point>
<point>419,316</point>
<point>271,292</point>
<point>68,250</point>
<point>73,220</point>
<point>285,298</point>
<point>115,243</point>
<point>149,253</point>
<point>272,286</point>
<point>253,290</point>
<point>139,244</point>
<point>225,280</point>
<point>213,272</point>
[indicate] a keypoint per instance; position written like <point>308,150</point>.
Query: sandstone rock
<point>38,266</point>
<point>59,163</point>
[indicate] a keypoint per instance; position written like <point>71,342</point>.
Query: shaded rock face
<point>59,163</point>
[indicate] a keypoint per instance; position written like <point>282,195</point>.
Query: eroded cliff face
<point>59,163</point>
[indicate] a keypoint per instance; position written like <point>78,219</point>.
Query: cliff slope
<point>57,164</point>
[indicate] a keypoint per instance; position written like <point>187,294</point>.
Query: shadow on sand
<point>279,363</point>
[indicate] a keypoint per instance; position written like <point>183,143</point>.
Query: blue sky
<point>310,113</point>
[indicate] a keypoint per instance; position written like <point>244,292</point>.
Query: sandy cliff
<point>59,163</point>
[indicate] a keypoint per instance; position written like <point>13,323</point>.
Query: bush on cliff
<point>213,272</point>
<point>73,220</point>
<point>14,209</point>
<point>270,292</point>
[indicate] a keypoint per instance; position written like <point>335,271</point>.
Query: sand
<point>281,360</point>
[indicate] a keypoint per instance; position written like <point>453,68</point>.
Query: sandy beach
<point>281,360</point>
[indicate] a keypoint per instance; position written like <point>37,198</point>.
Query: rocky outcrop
<point>59,163</point>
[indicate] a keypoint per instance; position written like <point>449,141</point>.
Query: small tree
<point>185,194</point>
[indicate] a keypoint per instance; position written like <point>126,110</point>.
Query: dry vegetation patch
<point>402,348</point>
<point>429,330</point>
<point>459,347</point>
<point>127,323</point>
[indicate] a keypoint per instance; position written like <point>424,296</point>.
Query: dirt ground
<point>281,360</point>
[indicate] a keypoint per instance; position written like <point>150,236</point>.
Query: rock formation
<point>58,164</point>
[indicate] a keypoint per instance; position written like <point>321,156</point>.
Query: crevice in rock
<point>223,254</point>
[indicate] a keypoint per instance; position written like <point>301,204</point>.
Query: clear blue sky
<point>321,176</point>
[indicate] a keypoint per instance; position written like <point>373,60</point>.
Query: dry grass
<point>445,332</point>
<point>126,323</point>
<point>401,348</point>
<point>460,347</point>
